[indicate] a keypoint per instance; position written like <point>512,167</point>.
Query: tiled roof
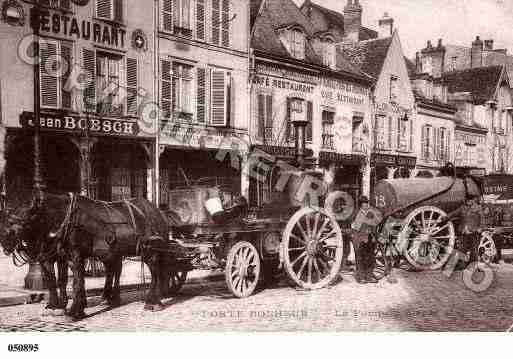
<point>481,82</point>
<point>277,14</point>
<point>410,65</point>
<point>433,102</point>
<point>254,7</point>
<point>369,55</point>
<point>334,19</point>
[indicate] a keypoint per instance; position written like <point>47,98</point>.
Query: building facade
<point>96,77</point>
<point>298,73</point>
<point>203,51</point>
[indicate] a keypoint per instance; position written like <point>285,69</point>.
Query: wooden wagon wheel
<point>425,243</point>
<point>242,271</point>
<point>312,248</point>
<point>383,261</point>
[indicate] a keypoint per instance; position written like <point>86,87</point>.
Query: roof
<point>369,55</point>
<point>277,14</point>
<point>481,82</point>
<point>333,19</point>
<point>254,7</point>
<point>410,65</point>
<point>433,103</point>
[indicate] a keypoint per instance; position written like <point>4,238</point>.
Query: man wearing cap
<point>363,244</point>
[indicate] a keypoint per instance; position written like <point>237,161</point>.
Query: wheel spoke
<point>316,267</point>
<point>439,229</point>
<point>308,225</point>
<point>300,273</point>
<point>298,258</point>
<point>299,239</point>
<point>309,270</point>
<point>305,236</point>
<point>323,264</point>
<point>297,249</point>
<point>316,224</point>
<point>326,221</point>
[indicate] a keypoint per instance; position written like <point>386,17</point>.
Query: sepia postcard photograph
<point>254,166</point>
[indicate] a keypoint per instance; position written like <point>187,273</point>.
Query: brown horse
<point>70,228</point>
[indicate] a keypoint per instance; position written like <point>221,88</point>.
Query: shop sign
<point>341,158</point>
<point>288,74</point>
<point>69,26</point>
<point>280,151</point>
<point>279,83</point>
<point>498,185</point>
<point>63,122</point>
<point>400,161</point>
<point>392,108</point>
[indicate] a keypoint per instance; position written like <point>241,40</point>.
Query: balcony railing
<point>328,142</point>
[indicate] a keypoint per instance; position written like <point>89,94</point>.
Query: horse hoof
<point>153,307</point>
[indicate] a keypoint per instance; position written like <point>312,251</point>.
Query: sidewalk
<point>12,281</point>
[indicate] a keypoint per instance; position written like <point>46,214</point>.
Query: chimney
<point>353,20</point>
<point>386,26</point>
<point>432,59</point>
<point>488,45</point>
<point>476,55</point>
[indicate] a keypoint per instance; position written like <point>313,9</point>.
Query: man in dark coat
<point>363,245</point>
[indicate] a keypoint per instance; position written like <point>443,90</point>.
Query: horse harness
<point>69,220</point>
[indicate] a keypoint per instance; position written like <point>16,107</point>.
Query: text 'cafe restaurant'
<point>93,141</point>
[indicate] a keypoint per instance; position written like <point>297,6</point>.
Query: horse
<point>70,228</point>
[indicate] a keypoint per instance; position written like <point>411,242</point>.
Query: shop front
<point>99,157</point>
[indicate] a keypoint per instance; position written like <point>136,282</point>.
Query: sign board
<point>63,122</point>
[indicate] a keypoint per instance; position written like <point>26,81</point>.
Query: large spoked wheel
<point>486,251</point>
<point>312,248</point>
<point>177,281</point>
<point>242,269</point>
<point>383,263</point>
<point>425,240</point>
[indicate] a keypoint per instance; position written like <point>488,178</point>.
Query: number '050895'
<point>23,348</point>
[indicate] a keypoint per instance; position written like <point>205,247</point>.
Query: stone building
<point>298,72</point>
<point>96,77</point>
<point>203,55</point>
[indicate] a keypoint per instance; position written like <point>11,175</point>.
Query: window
<point>114,88</point>
<point>294,111</point>
<point>328,118</point>
<point>182,90</point>
<point>329,53</point>
<point>454,60</point>
<point>427,142</point>
<point>403,134</point>
<point>54,70</point>
<point>394,88</point>
<point>108,74</point>
<point>427,65</point>
<point>382,138</point>
<point>221,22</point>
<point>443,144</point>
<point>109,9</point>
<point>297,44</point>
<point>265,117</point>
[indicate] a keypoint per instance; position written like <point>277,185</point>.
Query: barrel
<point>404,194</point>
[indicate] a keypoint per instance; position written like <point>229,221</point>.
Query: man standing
<point>363,244</point>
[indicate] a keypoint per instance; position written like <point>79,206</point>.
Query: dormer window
<point>297,44</point>
<point>328,53</point>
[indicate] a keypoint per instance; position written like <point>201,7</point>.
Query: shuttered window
<point>48,75</point>
<point>221,22</point>
<point>110,9</point>
<point>167,14</point>
<point>109,69</point>
<point>165,88</point>
<point>289,131</point>
<point>131,86</point>
<point>427,142</point>
<point>219,97</point>
<point>89,67</point>
<point>54,71</point>
<point>309,118</point>
<point>200,19</point>
<point>182,90</point>
<point>265,117</point>
<point>201,98</point>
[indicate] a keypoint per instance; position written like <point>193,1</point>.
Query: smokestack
<point>353,20</point>
<point>476,55</point>
<point>386,26</point>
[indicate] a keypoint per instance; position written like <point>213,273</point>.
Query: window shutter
<point>216,30</point>
<point>309,118</point>
<point>269,109</point>
<point>201,88</point>
<point>66,52</point>
<point>225,23</point>
<point>448,147</point>
<point>288,124</point>
<point>104,9</point>
<point>118,10</point>
<point>48,76</point>
<point>423,141</point>
<point>218,98</point>
<point>200,19</point>
<point>390,132</point>
<point>167,14</point>
<point>261,115</point>
<point>131,86</point>
<point>89,66</point>
<point>165,90</point>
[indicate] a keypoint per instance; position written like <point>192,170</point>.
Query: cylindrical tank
<point>395,195</point>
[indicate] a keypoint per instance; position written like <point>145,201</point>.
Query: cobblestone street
<point>420,301</point>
